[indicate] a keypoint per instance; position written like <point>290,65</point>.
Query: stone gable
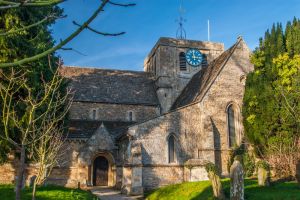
<point>124,117</point>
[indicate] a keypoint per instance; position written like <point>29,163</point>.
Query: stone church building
<point>138,130</point>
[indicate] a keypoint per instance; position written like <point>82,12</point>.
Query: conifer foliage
<point>17,42</point>
<point>271,108</point>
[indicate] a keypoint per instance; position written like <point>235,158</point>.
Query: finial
<point>240,38</point>
<point>181,34</point>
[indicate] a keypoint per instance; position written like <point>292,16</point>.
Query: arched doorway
<point>100,171</point>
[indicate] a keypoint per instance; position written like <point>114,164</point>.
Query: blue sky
<point>151,19</point>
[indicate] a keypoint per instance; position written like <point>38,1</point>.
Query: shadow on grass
<point>277,191</point>
<point>203,190</point>
<point>46,193</point>
<point>187,190</point>
<point>207,193</point>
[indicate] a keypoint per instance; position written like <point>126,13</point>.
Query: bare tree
<point>39,126</point>
<point>47,149</point>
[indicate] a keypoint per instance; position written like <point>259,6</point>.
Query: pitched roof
<point>201,81</point>
<point>111,86</point>
<point>84,129</point>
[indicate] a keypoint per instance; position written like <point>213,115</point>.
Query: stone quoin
<point>137,131</point>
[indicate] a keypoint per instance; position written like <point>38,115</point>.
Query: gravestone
<point>236,181</point>
<point>263,176</point>
<point>215,180</point>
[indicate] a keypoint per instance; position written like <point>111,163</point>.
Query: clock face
<point>193,57</point>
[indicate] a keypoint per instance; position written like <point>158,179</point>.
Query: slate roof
<point>84,129</point>
<point>111,86</point>
<point>201,81</point>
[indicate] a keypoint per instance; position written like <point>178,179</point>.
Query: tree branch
<point>61,44</point>
<point>72,49</point>
<point>29,26</point>
<point>10,4</point>
<point>99,32</point>
<point>122,5</point>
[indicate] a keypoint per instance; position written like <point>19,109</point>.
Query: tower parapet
<point>167,62</point>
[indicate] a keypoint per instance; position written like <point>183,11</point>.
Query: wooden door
<point>100,172</point>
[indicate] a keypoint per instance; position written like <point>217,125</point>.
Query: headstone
<point>298,172</point>
<point>216,185</point>
<point>236,181</point>
<point>31,180</point>
<point>214,178</point>
<point>263,176</point>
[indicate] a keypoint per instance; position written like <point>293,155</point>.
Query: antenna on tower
<point>208,31</point>
<point>181,34</point>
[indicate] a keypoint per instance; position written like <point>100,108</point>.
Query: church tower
<point>172,69</point>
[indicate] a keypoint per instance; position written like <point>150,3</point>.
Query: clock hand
<point>194,57</point>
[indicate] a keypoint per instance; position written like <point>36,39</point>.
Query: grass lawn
<point>203,190</point>
<point>46,193</point>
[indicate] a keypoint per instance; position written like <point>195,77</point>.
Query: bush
<point>246,159</point>
<point>263,164</point>
<point>249,164</point>
<point>210,167</point>
<point>237,151</point>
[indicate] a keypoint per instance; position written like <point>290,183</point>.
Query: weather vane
<point>181,34</point>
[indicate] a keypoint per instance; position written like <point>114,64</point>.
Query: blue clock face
<point>193,57</point>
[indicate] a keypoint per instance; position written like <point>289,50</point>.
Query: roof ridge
<point>231,50</point>
<point>205,70</point>
<point>101,69</point>
<point>111,86</point>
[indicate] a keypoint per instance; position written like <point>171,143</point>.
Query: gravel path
<point>105,193</point>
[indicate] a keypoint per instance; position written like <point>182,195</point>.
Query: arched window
<point>94,114</point>
<point>204,60</point>
<point>182,61</point>
<point>231,125</point>
<point>130,116</point>
<point>171,148</point>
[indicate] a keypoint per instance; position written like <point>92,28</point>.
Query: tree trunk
<point>19,181</point>
<point>34,190</point>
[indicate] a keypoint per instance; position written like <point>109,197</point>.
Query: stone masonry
<point>137,131</point>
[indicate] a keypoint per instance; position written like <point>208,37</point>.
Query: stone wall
<point>8,171</point>
<point>112,112</point>
<point>187,125</point>
<point>227,89</point>
<point>200,132</point>
<point>200,129</point>
<point>192,141</point>
<point>163,62</point>
<point>66,174</point>
<point>157,176</point>
<point>59,176</point>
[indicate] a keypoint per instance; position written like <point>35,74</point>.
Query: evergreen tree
<point>271,100</point>
<point>27,43</point>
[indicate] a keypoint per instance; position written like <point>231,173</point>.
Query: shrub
<point>249,164</point>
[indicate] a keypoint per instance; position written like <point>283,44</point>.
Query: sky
<point>149,20</point>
